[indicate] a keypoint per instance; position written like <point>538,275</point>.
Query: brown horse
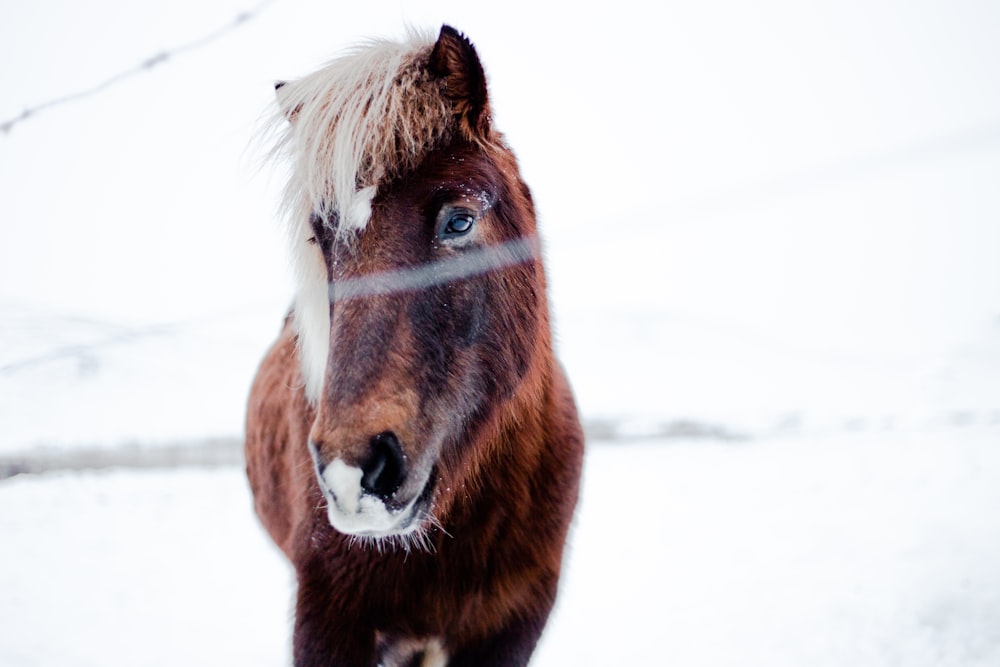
<point>412,444</point>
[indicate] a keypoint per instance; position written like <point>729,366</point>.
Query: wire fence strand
<point>468,264</point>
<point>146,65</point>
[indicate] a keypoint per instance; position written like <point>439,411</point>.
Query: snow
<point>820,551</point>
<point>138,568</point>
<point>849,550</point>
<point>771,237</point>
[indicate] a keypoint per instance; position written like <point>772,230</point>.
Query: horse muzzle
<point>376,496</point>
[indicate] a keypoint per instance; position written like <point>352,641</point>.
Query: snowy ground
<point>858,551</point>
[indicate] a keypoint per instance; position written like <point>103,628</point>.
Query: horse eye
<point>459,223</point>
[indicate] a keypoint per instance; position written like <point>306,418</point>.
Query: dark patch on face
<point>433,327</point>
<point>508,336</point>
<point>363,335</point>
<point>475,336</point>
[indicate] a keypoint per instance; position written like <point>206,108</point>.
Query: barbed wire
<point>468,264</point>
<point>83,353</point>
<point>39,325</point>
<point>146,65</point>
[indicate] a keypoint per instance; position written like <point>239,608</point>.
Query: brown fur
<point>472,360</point>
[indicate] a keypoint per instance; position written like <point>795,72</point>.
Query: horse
<point>412,443</point>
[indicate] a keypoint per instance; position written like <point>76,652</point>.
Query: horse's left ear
<point>454,59</point>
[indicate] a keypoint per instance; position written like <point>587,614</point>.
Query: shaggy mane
<point>364,118</point>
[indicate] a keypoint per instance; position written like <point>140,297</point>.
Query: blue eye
<point>459,223</point>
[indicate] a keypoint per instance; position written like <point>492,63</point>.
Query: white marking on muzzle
<point>354,512</point>
<point>344,482</point>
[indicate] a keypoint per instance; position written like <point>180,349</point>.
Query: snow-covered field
<point>858,551</point>
<point>772,236</point>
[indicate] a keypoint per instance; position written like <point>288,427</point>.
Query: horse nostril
<point>385,469</point>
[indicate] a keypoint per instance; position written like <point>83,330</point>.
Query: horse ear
<point>286,104</point>
<point>454,59</point>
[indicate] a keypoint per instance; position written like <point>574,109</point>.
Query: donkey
<point>412,444</point>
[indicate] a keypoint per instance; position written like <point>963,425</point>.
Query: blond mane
<point>364,118</point>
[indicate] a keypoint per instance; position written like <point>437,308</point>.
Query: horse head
<point>420,309</point>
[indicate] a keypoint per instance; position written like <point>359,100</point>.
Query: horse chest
<point>453,593</point>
